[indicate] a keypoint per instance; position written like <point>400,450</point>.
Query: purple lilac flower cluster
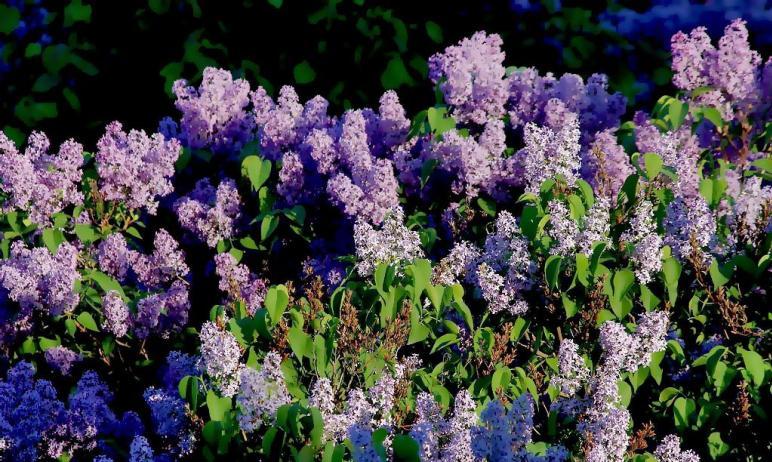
<point>261,393</point>
<point>605,424</point>
<point>238,283</point>
<point>211,214</point>
<point>165,308</point>
<point>134,168</point>
<point>39,183</point>
<point>503,270</point>
<point>732,72</point>
<point>37,281</point>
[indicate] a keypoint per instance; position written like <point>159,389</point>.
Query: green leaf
<point>52,238</point>
<point>671,269</point>
<point>439,120</point>
<point>276,301</point>
<point>189,390</point>
<point>304,73</point>
<point>552,270</point>
<point>655,366</point>
<point>623,281</point>
<point>48,343</point>
<point>85,232</point>
<point>683,412</point>
<point>668,394</point>
<point>716,446</point>
<point>653,164</point>
<point>755,365</point>
<point>105,282</point>
<point>86,320</point>
<point>300,343</point>
<point>444,341</point>
<point>396,74</point>
<point>405,449</point>
<point>648,299</point>
<point>576,207</point>
<point>500,380</point>
<point>218,406</point>
<point>677,112</point>
<point>434,31</point>
<point>257,170</point>
<point>720,274</point>
<point>268,226</point>
<point>569,305</point>
<point>9,19</point>
<point>76,11</point>
<point>722,376</point>
<point>488,206</point>
<point>713,115</point>
<point>418,331</point>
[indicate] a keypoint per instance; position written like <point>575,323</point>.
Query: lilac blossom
<point>642,234</point>
<point>471,77</point>
<point>116,313</point>
<point>214,115</point>
<point>530,95</point>
<point>62,359</point>
<point>37,182</point>
<point>239,283</point>
<point>669,450</point>
<point>210,214</point>
<point>29,409</point>
<point>687,222</point>
<point>261,393</point>
<point>164,266</point>
<point>178,365</point>
<point>751,213</point>
<point>573,371</point>
<point>140,450</point>
<point>595,226</point>
<point>679,151</point>
<point>220,353</point>
<point>37,280</point>
<point>503,434</point>
<point>563,230</point>
<point>135,168</point>
<point>732,71</point>
<point>550,152</point>
<point>393,243</point>
<point>88,416</point>
<point>606,165</point>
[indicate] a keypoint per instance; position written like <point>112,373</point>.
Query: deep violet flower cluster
<point>135,168</point>
<point>34,423</point>
<point>211,214</point>
<point>38,182</point>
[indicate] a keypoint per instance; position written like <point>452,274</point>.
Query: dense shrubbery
<point>516,273</point>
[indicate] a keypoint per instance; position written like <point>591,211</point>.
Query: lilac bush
<point>528,270</point>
